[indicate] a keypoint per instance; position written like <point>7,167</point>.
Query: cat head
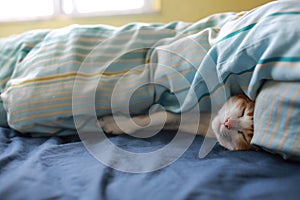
<point>233,125</point>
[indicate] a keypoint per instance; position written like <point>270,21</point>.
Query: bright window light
<point>16,10</point>
<point>28,9</point>
<point>93,6</point>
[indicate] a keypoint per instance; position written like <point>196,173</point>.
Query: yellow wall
<point>185,10</point>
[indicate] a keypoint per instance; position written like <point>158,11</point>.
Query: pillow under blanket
<point>277,122</point>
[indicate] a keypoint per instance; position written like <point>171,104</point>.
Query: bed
<point>52,95</point>
<point>61,168</point>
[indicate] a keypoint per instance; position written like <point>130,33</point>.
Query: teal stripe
<point>222,84</point>
<point>285,13</point>
<point>26,51</point>
<point>239,73</point>
<point>261,61</point>
<point>246,28</point>
<point>279,59</point>
<point>227,77</point>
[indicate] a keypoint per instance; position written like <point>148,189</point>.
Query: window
<point>19,10</point>
<point>25,9</point>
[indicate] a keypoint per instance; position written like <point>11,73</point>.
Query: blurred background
<point>18,16</point>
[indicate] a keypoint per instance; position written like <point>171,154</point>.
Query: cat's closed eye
<point>243,112</point>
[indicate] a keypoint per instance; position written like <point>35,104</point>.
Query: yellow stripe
<point>23,94</point>
<point>288,120</point>
<point>12,113</point>
<point>69,92</point>
<point>265,95</point>
<point>124,35</point>
<point>66,113</point>
<point>90,63</point>
<point>267,119</point>
<point>70,75</point>
<point>70,102</point>
<point>277,119</point>
<point>83,75</point>
<point>30,128</point>
<point>34,61</point>
<point>296,147</point>
<point>70,83</point>
<point>278,64</point>
<point>48,125</point>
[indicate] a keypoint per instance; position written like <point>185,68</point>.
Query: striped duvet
<point>49,77</point>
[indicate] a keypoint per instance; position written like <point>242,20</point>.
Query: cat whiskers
<point>224,131</point>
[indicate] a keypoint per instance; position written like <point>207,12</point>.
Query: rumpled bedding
<point>50,77</point>
<point>54,83</point>
<point>61,168</point>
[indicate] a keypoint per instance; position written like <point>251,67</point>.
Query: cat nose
<point>228,123</point>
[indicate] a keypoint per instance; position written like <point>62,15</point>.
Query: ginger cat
<point>232,126</point>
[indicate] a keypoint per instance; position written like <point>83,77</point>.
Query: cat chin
<point>225,141</point>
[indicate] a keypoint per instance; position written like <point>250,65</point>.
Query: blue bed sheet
<point>61,168</point>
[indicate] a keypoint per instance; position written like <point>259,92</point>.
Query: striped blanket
<point>48,77</point>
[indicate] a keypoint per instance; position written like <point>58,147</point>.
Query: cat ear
<point>243,96</point>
